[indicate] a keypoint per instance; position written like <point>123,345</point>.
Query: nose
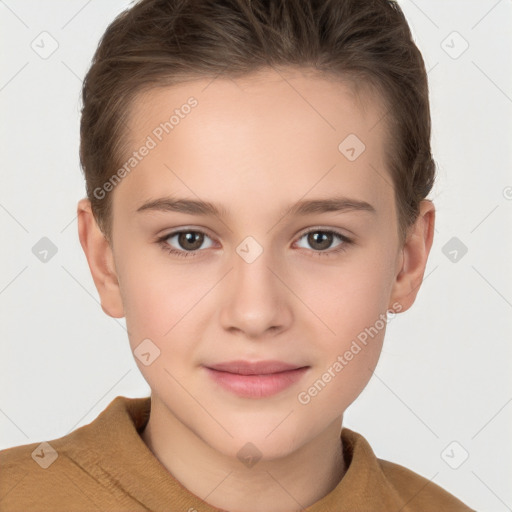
<point>255,300</point>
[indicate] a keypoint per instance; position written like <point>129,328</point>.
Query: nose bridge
<point>256,300</point>
<point>253,279</point>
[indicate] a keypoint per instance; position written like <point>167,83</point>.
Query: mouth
<point>255,379</point>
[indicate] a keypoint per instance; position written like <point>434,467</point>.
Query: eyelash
<point>162,241</point>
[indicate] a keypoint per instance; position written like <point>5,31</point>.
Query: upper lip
<point>254,368</point>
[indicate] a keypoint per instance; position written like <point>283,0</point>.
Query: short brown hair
<point>165,42</point>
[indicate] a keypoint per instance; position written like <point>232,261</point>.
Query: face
<point>295,269</point>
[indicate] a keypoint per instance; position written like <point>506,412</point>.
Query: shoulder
<point>40,476</point>
<point>386,482</point>
<point>51,475</point>
<point>419,491</point>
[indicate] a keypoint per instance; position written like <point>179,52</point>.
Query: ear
<point>414,255</point>
<point>100,259</point>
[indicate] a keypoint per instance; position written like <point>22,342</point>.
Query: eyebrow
<point>301,208</point>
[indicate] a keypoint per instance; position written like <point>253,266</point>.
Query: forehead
<point>272,133</point>
<point>329,103</point>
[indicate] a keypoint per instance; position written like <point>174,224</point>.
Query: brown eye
<point>187,243</point>
<point>322,239</point>
<point>190,240</point>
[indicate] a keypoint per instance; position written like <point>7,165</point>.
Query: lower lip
<point>256,386</point>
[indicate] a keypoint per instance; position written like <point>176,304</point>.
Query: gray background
<point>442,389</point>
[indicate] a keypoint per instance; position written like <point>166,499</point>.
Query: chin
<point>263,442</point>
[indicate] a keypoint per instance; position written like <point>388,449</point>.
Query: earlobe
<point>100,259</point>
<point>414,256</point>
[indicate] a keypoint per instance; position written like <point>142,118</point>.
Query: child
<point>251,130</point>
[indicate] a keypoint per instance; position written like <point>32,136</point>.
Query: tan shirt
<point>106,465</point>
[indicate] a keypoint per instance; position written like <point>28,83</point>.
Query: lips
<point>253,368</point>
<point>255,379</point>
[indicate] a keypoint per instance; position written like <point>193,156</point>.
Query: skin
<point>255,146</point>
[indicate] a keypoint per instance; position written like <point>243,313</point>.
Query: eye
<point>321,239</point>
<point>189,242</point>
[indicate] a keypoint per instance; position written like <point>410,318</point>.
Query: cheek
<point>353,296</point>
<point>162,308</point>
<point>353,305</point>
<point>159,300</point>
<point>355,311</point>
<point>332,391</point>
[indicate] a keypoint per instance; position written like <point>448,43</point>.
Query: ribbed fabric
<point>106,466</point>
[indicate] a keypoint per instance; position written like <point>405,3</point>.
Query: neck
<point>289,483</point>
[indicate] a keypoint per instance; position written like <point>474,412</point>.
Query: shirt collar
<point>111,450</point>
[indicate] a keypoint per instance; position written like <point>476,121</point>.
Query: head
<point>256,109</point>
